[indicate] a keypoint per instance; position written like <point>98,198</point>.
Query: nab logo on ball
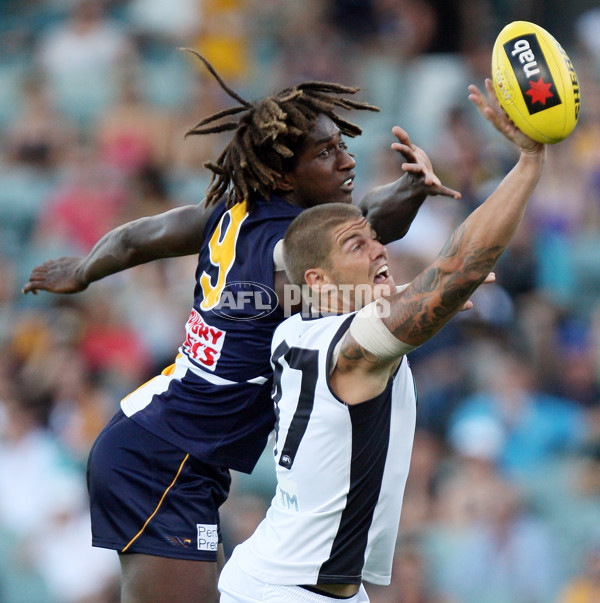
<point>535,82</point>
<point>533,74</point>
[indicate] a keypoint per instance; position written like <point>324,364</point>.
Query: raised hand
<point>419,165</point>
<point>492,111</point>
<point>56,276</point>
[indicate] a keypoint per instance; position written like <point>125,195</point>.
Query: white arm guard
<point>370,333</point>
<point>278,256</point>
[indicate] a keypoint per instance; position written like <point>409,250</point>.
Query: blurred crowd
<point>503,499</point>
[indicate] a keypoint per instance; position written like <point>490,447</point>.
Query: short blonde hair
<point>307,243</point>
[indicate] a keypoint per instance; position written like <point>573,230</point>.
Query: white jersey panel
<point>382,536</point>
<point>335,514</point>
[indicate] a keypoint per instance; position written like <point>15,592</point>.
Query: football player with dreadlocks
<point>159,471</point>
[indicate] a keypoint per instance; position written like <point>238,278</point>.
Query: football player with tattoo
<point>344,395</point>
<point>160,470</point>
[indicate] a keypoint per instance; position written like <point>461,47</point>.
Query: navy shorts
<point>148,496</point>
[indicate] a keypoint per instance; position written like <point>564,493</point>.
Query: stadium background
<point>503,499</point>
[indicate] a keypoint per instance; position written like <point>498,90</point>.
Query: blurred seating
<point>12,75</point>
<point>22,194</point>
<point>80,152</point>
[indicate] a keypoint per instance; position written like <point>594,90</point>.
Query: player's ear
<point>285,183</point>
<point>316,279</point>
<point>322,290</point>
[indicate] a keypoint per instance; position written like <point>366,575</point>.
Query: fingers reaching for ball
<point>490,108</point>
<point>419,165</point>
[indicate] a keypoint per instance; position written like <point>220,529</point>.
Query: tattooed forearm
<point>452,245</point>
<point>439,292</point>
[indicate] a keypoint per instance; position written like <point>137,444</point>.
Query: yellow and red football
<point>535,82</point>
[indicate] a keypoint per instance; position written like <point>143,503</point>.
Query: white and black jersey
<point>341,469</point>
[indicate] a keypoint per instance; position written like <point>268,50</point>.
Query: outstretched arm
<point>420,310</point>
<point>176,232</point>
<point>391,208</point>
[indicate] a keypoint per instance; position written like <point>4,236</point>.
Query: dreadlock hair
<point>268,135</point>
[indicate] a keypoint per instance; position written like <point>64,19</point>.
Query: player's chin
<point>342,195</point>
<point>336,197</point>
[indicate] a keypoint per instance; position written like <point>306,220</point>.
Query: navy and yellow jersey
<point>234,297</point>
<point>214,401</point>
